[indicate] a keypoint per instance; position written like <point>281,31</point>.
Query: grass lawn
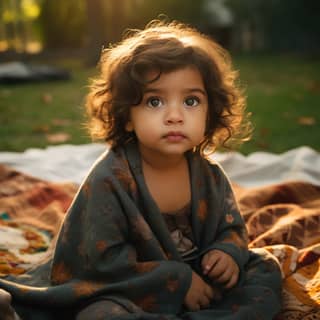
<point>35,115</point>
<point>284,99</point>
<point>283,96</point>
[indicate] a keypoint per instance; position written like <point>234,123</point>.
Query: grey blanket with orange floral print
<point>91,260</point>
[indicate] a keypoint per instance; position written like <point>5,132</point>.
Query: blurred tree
<point>98,23</point>
<point>294,25</point>
<point>274,25</point>
<point>16,24</point>
<point>96,31</point>
<point>90,23</point>
<point>63,23</point>
<point>117,16</point>
<point>106,22</point>
<point>108,19</point>
<point>185,11</point>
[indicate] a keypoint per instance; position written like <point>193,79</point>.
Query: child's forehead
<point>191,74</point>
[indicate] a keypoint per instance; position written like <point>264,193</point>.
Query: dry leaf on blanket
<point>59,137</point>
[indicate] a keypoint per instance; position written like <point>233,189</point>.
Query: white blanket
<point>72,162</point>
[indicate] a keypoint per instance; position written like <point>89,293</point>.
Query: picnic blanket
<point>284,218</point>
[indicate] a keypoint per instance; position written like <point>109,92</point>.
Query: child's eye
<point>154,102</point>
<point>192,101</point>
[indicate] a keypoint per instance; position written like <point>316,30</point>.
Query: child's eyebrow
<point>197,90</point>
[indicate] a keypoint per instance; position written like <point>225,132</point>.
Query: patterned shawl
<point>114,244</point>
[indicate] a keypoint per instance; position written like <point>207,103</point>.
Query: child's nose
<point>174,115</point>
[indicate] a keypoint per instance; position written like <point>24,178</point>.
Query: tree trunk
<point>96,31</point>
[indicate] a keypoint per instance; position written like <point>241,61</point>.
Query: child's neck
<point>159,162</point>
<point>165,165</point>
<point>168,181</point>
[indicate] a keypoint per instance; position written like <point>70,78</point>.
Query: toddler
<point>154,231</point>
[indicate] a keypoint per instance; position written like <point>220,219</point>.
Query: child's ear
<point>129,126</point>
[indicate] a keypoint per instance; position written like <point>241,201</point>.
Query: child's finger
<point>204,301</point>
<point>209,292</point>
<point>217,269</point>
<point>225,276</point>
<point>233,280</point>
<point>208,261</point>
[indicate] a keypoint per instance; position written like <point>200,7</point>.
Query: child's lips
<point>175,136</point>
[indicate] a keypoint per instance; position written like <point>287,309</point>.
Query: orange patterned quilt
<point>284,218</point>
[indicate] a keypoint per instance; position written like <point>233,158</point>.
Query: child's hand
<point>220,267</point>
<point>200,294</point>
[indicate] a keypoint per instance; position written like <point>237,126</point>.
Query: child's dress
<point>115,245</point>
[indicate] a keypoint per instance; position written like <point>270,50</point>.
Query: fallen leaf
<point>314,87</point>
<point>61,122</point>
<point>262,145</point>
<point>286,115</point>
<point>264,131</point>
<point>46,98</point>
<point>59,137</point>
<point>41,129</point>
<point>6,93</point>
<point>307,121</point>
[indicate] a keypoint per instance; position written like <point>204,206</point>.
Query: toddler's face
<point>171,117</point>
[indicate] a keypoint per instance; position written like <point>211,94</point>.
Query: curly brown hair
<point>165,47</point>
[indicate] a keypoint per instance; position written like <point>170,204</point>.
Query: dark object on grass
<point>19,72</point>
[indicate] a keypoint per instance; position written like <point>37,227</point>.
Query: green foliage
<point>22,10</point>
